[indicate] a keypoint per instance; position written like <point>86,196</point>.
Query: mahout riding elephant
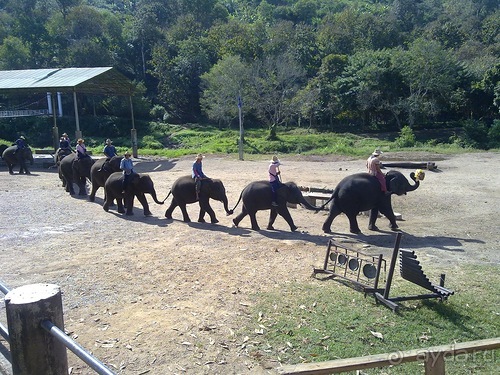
<point>183,191</point>
<point>257,196</point>
<point>138,186</point>
<point>13,156</point>
<point>73,170</point>
<point>361,192</point>
<point>100,171</point>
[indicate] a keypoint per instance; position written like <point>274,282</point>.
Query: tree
<point>14,54</point>
<point>222,85</point>
<point>430,73</point>
<point>274,83</point>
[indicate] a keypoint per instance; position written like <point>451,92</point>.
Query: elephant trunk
<point>304,203</point>
<point>417,183</point>
<point>226,207</point>
<point>153,195</point>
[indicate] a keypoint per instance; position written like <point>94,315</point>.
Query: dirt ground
<point>147,295</point>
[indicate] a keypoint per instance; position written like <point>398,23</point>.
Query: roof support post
<point>133,131</point>
<point>55,130</point>
<point>78,133</point>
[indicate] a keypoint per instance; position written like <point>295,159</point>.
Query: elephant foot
<point>168,216</point>
<point>395,229</point>
<point>235,223</point>
<point>294,228</point>
<point>256,228</point>
<point>270,227</point>
<point>201,221</point>
<point>187,220</point>
<point>148,213</point>
<point>129,213</point>
<point>91,198</point>
<point>373,227</point>
<point>11,172</point>
<point>326,229</point>
<point>122,211</point>
<point>215,221</point>
<point>105,208</point>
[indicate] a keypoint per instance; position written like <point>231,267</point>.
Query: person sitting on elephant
<point>81,150</point>
<point>20,143</point>
<point>127,166</point>
<point>110,151</point>
<point>64,148</point>
<point>65,136</point>
<point>274,178</point>
<point>197,174</point>
<point>373,165</point>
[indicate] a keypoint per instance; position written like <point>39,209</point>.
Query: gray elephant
<point>12,156</point>
<point>138,186</point>
<point>183,192</point>
<point>100,171</point>
<point>361,192</point>
<point>74,170</point>
<point>257,196</point>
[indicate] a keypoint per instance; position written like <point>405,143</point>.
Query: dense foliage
<point>347,65</point>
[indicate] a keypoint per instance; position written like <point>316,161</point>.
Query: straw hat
<point>80,140</point>
<point>65,134</point>
<point>199,156</point>
<point>377,152</point>
<point>128,153</point>
<point>109,141</point>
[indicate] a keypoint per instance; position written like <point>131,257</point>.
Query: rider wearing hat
<point>373,165</point>
<point>274,178</point>
<point>197,173</point>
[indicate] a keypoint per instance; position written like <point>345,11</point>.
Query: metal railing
<point>62,338</point>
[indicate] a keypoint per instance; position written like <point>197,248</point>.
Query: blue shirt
<point>126,165</point>
<point>109,151</point>
<point>197,170</point>
<point>20,143</point>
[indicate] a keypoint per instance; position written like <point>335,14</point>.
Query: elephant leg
<point>93,191</point>
<point>389,214</point>
<point>170,210</point>
<point>353,222</point>
<point>206,208</point>
<point>334,212</point>
<point>285,213</point>
<point>106,204</point>
<point>240,217</point>
<point>185,215</point>
<point>253,220</point>
<point>82,186</point>
<point>129,204</point>
<point>272,218</point>
<point>119,204</point>
<point>11,168</point>
<point>142,199</point>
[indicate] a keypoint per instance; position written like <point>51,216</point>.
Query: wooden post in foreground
<point>33,350</point>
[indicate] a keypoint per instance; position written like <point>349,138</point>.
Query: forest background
<point>300,66</point>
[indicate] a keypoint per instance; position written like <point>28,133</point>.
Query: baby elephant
<point>138,186</point>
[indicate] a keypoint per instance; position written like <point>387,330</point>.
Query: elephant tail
<point>237,203</point>
<point>168,195</point>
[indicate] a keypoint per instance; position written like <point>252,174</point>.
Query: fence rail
<point>63,339</point>
<point>432,357</point>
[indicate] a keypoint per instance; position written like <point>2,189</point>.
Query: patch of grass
<point>325,320</point>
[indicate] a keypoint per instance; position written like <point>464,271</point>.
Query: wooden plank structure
<point>433,358</point>
<point>410,270</point>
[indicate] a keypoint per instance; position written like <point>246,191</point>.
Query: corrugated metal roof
<point>104,80</point>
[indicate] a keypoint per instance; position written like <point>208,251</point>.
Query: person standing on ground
<point>274,178</point>
<point>197,174</point>
<point>127,166</point>
<point>373,165</point>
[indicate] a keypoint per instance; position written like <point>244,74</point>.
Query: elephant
<point>99,174</point>
<point>257,196</point>
<point>13,156</point>
<point>361,192</point>
<point>138,185</point>
<point>184,192</point>
<point>71,170</point>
